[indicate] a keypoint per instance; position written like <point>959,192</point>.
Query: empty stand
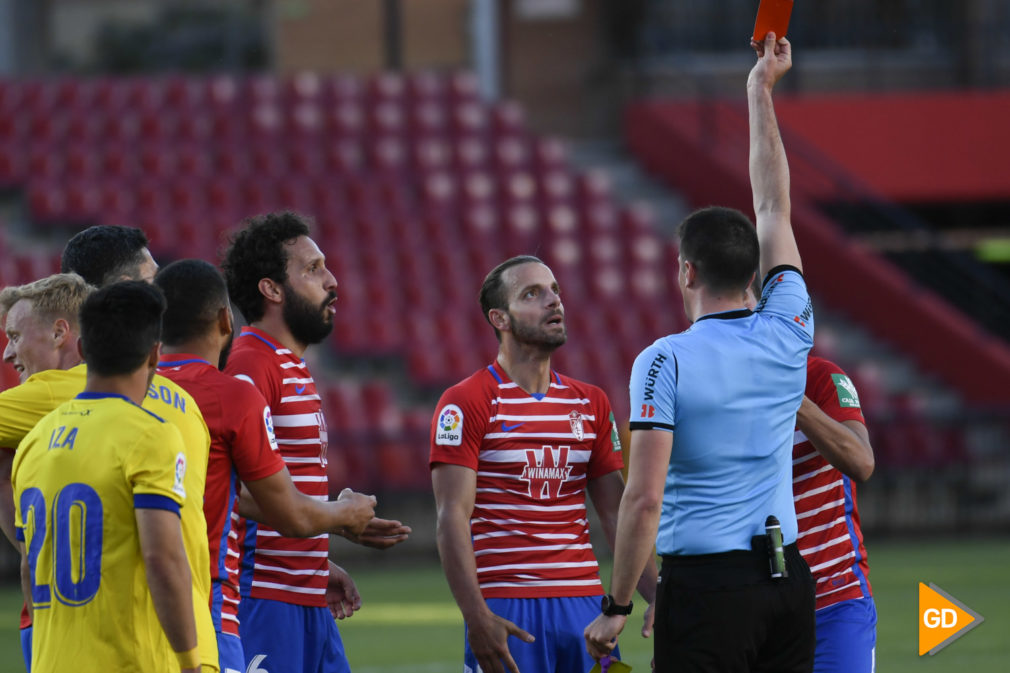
<point>418,189</point>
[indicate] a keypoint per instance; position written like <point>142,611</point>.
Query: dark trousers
<point>723,613</point>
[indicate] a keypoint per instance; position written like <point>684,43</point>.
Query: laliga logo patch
<point>449,431</point>
<point>180,475</point>
<point>575,420</point>
<point>268,423</point>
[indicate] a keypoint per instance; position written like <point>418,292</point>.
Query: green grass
<point>410,624</point>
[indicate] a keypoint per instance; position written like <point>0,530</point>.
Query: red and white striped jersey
<point>242,447</point>
<point>291,570</point>
<point>533,455</point>
<point>830,538</point>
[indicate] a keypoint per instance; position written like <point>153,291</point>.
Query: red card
<point>772,17</point>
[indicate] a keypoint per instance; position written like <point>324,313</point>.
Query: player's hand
<point>380,534</point>
<point>488,639</point>
<point>359,510</point>
<point>342,597</point>
<point>648,619</point>
<point>601,634</point>
<point>191,670</point>
<point>775,57</point>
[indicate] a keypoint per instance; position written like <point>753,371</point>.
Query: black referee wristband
<point>609,607</point>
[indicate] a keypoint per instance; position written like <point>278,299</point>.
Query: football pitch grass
<point>409,623</point>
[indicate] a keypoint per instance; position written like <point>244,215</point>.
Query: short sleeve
<point>606,456</point>
<point>156,467</point>
<point>784,296</point>
<point>260,371</point>
<point>832,391</point>
<point>654,389</point>
<point>21,407</point>
<point>458,428</point>
<point>253,448</point>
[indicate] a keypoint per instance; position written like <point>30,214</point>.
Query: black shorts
<point>723,613</point>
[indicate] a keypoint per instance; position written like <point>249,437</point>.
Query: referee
<point>727,390</point>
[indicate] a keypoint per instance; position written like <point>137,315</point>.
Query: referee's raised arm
<point>769,170</point>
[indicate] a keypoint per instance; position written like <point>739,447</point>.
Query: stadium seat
<point>418,188</point>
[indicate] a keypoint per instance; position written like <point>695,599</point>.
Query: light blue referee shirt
<point>728,388</point>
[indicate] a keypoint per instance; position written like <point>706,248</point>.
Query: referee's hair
<point>194,291</point>
<point>258,252</point>
<point>102,254</point>
<point>493,293</point>
<point>120,324</point>
<point>722,245</point>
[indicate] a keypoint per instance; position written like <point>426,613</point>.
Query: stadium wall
<point>701,148</point>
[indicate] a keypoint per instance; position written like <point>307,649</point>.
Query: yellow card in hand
<point>610,665</point>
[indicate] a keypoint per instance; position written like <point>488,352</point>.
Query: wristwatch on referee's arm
<point>609,607</point>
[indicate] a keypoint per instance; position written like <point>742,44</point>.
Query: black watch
<point>609,607</point>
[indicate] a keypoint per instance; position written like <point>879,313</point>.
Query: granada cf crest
<point>575,419</point>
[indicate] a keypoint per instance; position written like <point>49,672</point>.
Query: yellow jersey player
<point>103,254</point>
<point>99,485</point>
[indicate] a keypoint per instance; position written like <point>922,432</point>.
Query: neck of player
<point>274,325</point>
<point>205,349</point>
<point>529,367</point>
<point>133,386</point>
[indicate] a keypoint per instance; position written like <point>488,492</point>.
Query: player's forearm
<point>606,492</point>
<point>171,586</point>
<point>455,548</point>
<point>278,503</point>
<point>840,444</point>
<point>26,581</point>
<point>168,575</point>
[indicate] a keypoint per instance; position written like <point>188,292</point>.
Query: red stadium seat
<point>304,87</point>
<point>426,86</point>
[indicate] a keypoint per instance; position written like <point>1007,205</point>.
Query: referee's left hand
<point>601,634</point>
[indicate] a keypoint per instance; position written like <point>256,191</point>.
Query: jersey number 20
<point>75,537</point>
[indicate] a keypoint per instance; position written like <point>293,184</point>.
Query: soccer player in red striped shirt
<point>196,341</point>
<point>831,453</point>
<point>277,277</point>
<point>514,450</point>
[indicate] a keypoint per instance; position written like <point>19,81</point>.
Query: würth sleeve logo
<point>651,376</point>
<point>575,419</point>
<point>545,471</point>
<point>804,317</point>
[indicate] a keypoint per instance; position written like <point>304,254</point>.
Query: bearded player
<point>515,448</point>
<point>277,277</point>
<point>196,340</point>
